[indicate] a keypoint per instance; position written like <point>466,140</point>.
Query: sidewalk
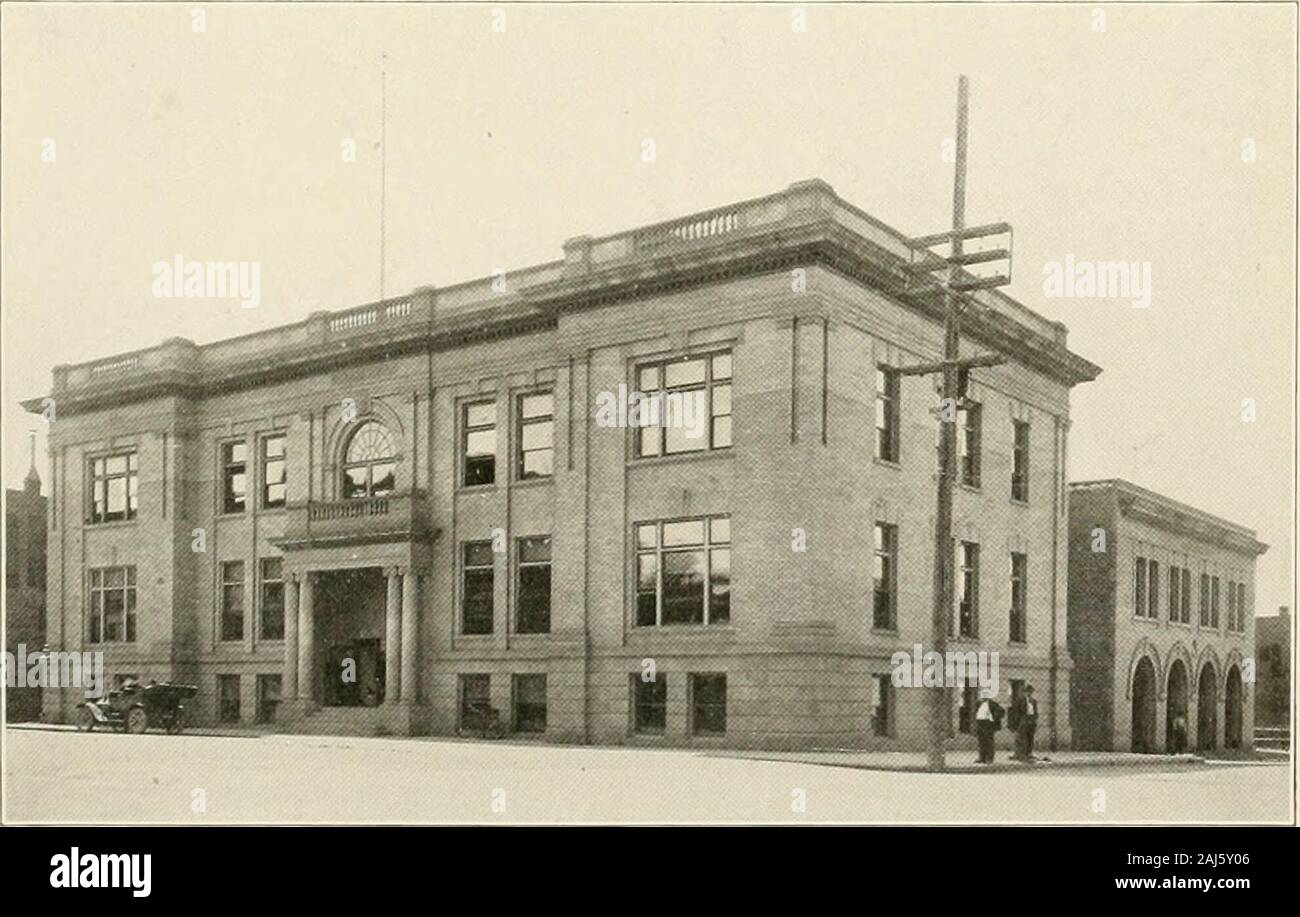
<point>230,732</point>
<point>958,761</point>
<point>962,760</point>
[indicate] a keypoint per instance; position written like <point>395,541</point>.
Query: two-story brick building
<point>406,515</point>
<point>1161,622</point>
<point>24,588</point>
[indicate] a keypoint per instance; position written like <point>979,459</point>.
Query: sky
<point>1159,135</point>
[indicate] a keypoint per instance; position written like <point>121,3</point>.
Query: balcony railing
<point>801,206</point>
<point>391,517</point>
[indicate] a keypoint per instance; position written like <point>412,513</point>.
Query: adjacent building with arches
<point>1161,616</point>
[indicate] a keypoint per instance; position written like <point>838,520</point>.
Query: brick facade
<point>1134,657</point>
<point>799,288</point>
<point>24,589</point>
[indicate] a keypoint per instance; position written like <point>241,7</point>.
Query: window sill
<point>651,461</point>
<point>114,524</point>
<point>533,482</point>
<point>885,631</point>
<point>727,629</point>
<point>971,488</point>
<point>476,488</point>
<point>886,463</point>
<point>1021,503</point>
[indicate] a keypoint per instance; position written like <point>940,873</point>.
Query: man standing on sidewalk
<point>986,723</point>
<point>1026,725</point>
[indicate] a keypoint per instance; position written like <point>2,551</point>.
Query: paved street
<point>63,776</point>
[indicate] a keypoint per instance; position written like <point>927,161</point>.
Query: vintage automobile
<point>136,709</point>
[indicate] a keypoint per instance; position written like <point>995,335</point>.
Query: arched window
<point>370,462</point>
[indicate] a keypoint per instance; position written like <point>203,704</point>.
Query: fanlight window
<point>370,463</point>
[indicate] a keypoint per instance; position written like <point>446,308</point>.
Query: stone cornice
<point>1145,506</point>
<point>804,225</point>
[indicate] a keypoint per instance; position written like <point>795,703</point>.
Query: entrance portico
<point>352,591</point>
<point>303,629</point>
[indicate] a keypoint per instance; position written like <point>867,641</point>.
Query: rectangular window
<point>232,600</point>
<point>268,697</point>
<point>968,591</point>
<point>887,410</point>
<point>1153,589</point>
<point>273,472</point>
<point>114,487</point>
<point>882,720</point>
<point>1205,600</point>
<point>1020,462</point>
<point>476,596</point>
<point>536,425</point>
<point>885,577</point>
<point>1241,608</point>
<point>1019,596</point>
<point>708,704</point>
<point>480,443</point>
<point>1214,601</point>
<point>112,605</point>
<point>1186,597</point>
<point>1140,588</point>
<point>686,405</point>
<point>534,592</point>
<point>649,703</point>
<point>475,701</point>
<point>234,476</point>
<point>271,599</point>
<point>683,572</point>
<point>968,442</point>
<point>228,698</point>
<point>1175,581</point>
<point>530,703</point>
<point>1232,606</point>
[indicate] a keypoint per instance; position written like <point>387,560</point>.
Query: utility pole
<point>956,372</point>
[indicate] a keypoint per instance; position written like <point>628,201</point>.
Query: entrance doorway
<point>1232,709</point>
<point>1144,706</point>
<point>1176,712</point>
<point>350,608</point>
<point>355,674</point>
<point>1207,703</point>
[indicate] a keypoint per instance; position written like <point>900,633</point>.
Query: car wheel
<point>85,720</point>
<point>137,720</point>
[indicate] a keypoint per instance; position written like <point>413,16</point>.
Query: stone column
<point>289,690</point>
<point>306,638</point>
<point>393,639</point>
<point>410,637</point>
